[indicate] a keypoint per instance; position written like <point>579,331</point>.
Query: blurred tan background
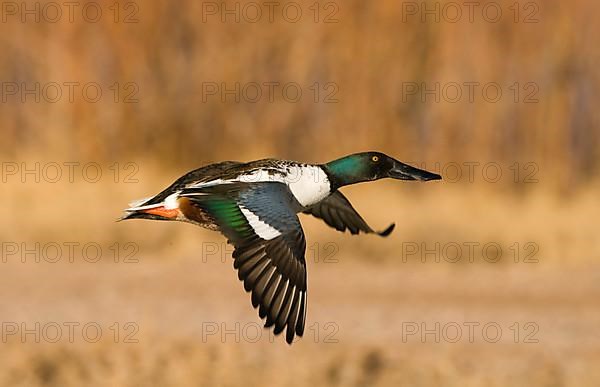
<point>108,102</point>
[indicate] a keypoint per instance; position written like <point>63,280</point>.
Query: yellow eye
<point>375,159</point>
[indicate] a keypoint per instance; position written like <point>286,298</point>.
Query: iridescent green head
<point>368,166</point>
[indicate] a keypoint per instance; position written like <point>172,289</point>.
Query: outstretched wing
<point>338,213</point>
<point>269,247</point>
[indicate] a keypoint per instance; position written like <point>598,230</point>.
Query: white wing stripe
<point>262,229</point>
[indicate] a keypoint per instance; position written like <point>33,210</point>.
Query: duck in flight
<point>254,205</point>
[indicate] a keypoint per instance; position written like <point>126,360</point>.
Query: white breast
<point>309,184</point>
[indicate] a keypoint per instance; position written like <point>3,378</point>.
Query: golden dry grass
<point>370,53</point>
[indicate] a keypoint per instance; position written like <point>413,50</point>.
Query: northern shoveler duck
<point>254,205</point>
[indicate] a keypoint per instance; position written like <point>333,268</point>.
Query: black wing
<point>337,212</point>
<point>205,173</point>
<point>269,247</point>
